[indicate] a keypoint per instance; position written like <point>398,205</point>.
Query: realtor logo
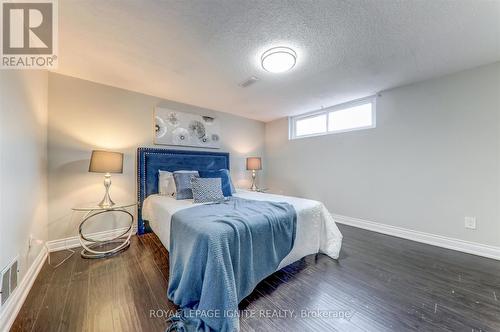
<point>29,31</point>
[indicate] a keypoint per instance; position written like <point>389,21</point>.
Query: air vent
<point>248,82</point>
<point>13,276</point>
<point>8,280</point>
<point>5,285</point>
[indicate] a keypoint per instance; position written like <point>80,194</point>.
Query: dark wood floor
<point>380,283</point>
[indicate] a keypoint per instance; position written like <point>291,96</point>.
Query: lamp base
<point>107,202</point>
<point>254,185</point>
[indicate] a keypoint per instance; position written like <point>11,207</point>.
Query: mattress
<point>316,230</point>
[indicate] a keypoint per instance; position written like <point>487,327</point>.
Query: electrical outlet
<point>470,222</point>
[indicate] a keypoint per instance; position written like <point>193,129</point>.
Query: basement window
<point>354,115</point>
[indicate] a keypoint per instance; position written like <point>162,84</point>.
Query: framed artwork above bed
<point>185,129</point>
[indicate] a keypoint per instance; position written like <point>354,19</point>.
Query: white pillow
<point>166,183</point>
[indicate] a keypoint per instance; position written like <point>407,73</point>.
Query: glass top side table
<point>119,243</point>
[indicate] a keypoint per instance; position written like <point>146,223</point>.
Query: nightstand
<point>120,242</point>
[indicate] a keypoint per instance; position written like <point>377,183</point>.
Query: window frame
<point>292,120</point>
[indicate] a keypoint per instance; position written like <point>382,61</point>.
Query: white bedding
<point>316,229</point>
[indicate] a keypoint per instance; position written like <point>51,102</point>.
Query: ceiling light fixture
<point>278,59</point>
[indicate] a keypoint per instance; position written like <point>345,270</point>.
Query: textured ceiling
<point>196,52</point>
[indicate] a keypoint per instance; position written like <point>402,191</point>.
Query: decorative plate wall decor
<point>186,129</point>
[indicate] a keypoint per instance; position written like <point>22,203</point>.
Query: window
<point>311,125</point>
<point>351,118</point>
<point>355,115</point>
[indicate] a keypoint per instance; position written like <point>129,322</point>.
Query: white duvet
<point>316,229</point>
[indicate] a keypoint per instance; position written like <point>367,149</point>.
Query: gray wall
<point>432,160</point>
<point>85,116</point>
<point>23,165</point>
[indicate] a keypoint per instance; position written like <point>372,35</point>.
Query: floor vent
<point>8,281</point>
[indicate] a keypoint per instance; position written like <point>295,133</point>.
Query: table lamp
<point>107,163</point>
<point>254,164</point>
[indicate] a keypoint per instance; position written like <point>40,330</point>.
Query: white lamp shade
<point>254,163</point>
<point>106,162</point>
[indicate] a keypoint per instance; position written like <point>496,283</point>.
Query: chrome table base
<point>92,255</point>
<point>120,243</point>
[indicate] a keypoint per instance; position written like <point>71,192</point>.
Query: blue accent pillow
<point>223,174</point>
<point>183,184</point>
<point>233,190</point>
<point>207,190</point>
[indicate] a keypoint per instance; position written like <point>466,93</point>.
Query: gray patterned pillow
<point>207,190</point>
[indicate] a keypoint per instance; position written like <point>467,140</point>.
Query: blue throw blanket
<point>219,253</point>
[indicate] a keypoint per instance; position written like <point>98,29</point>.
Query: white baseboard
<point>435,240</point>
<point>16,300</point>
<point>74,241</point>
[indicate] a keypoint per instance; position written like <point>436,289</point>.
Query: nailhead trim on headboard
<point>142,158</point>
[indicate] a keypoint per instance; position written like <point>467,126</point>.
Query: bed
<point>314,230</point>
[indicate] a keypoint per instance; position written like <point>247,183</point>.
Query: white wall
<point>23,165</point>
<point>433,159</point>
<point>85,116</point>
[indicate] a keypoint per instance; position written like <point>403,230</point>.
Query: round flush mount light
<point>278,59</point>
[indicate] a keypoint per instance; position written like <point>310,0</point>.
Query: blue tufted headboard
<point>151,160</point>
